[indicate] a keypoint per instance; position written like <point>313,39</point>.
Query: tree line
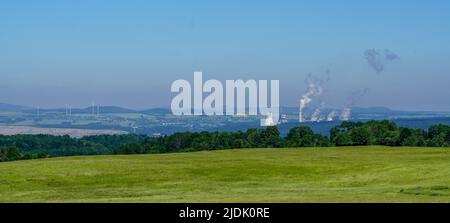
<point>346,134</point>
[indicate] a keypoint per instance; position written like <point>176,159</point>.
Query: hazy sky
<point>128,53</point>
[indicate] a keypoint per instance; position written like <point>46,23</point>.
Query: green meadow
<point>344,174</point>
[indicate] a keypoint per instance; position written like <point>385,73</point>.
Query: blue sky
<point>128,53</point>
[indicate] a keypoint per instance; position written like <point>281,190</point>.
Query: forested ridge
<point>387,133</point>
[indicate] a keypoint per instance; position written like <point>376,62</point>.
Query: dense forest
<point>347,134</point>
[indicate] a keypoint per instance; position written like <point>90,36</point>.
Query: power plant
<point>315,90</point>
<point>268,121</point>
<point>319,115</point>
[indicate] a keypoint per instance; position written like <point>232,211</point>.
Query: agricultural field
<point>344,174</point>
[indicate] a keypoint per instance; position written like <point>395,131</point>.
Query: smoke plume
<point>345,114</point>
<point>390,56</point>
<point>354,97</point>
<point>314,89</point>
<point>316,115</point>
<point>377,59</point>
<point>331,116</point>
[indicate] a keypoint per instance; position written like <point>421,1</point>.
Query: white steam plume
<point>345,114</point>
<point>331,116</point>
<point>314,89</point>
<point>354,97</point>
<point>316,115</point>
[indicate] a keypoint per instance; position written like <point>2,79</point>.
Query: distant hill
<point>357,112</point>
<point>88,110</point>
<point>157,111</point>
<point>383,110</point>
<point>110,109</point>
<point>12,108</point>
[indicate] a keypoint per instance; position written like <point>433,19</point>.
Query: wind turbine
<point>134,128</point>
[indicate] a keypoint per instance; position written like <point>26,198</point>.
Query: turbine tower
<point>300,113</point>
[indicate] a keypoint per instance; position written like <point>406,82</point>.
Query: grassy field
<point>355,174</point>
